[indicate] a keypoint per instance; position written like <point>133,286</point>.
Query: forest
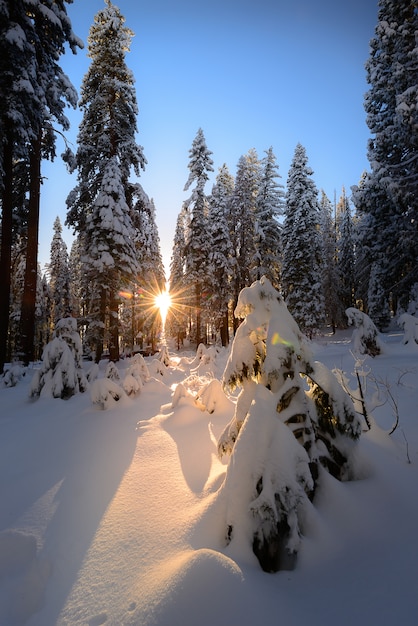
<point>322,255</point>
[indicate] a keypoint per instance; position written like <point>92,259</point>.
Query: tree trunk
<point>102,323</point>
<point>198,294</point>
<point>27,320</point>
<point>114,330</point>
<point>224,330</point>
<point>6,250</point>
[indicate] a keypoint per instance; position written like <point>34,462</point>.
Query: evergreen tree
<point>59,276</point>
<point>221,263</point>
<point>77,304</point>
<point>270,205</point>
<point>366,197</point>
<point>150,280</point>
<point>334,310</point>
<point>107,151</point>
<point>390,193</point>
<point>197,245</point>
<point>280,434</point>
<point>301,269</point>
<point>242,221</point>
<point>345,254</point>
<point>109,259</point>
<point>32,36</point>
<point>177,316</point>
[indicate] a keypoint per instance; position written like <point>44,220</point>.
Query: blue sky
<point>251,74</point>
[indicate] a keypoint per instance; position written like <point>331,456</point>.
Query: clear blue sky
<point>251,74</point>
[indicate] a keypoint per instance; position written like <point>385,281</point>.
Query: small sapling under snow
<point>292,418</point>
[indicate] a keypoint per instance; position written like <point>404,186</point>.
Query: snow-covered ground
<point>112,516</point>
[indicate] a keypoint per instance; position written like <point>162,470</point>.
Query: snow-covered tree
<point>109,259</point>
<point>365,337</point>
<point>33,35</point>
<point>242,222</point>
<point>390,195</point>
<point>221,261</point>
<point>410,325</point>
<point>270,205</point>
<point>107,151</point>
<point>59,276</point>
<point>197,244</point>
<point>281,435</point>
<point>177,315</point>
<point>61,374</point>
<point>334,310</point>
<point>301,265</point>
<point>377,301</point>
<point>345,254</point>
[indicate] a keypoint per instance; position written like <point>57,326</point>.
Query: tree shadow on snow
<point>70,464</point>
<point>190,427</point>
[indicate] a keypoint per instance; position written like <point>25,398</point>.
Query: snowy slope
<point>113,517</point>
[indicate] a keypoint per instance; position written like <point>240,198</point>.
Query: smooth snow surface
<point>114,517</point>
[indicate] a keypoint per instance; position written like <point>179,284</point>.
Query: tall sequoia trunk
<point>27,320</point>
<point>6,249</point>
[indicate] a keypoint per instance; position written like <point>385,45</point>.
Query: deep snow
<point>113,516</point>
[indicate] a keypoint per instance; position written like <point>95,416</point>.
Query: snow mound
<point>23,576</point>
<point>205,574</point>
<point>105,392</point>
<point>410,325</point>
<point>212,397</point>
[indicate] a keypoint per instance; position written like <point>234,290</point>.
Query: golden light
<point>163,302</point>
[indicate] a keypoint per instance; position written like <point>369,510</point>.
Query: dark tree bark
<point>27,321</point>
<point>6,250</point>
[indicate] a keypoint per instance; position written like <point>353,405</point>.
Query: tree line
<point>323,256</point>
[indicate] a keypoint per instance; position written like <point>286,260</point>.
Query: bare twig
<point>407,447</point>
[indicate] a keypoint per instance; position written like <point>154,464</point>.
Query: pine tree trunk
<point>114,331</point>
<point>27,320</point>
<point>198,313</point>
<point>224,330</point>
<point>6,250</point>
<point>100,330</point>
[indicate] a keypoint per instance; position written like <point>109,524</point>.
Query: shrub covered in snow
<point>112,372</point>
<point>61,374</point>
<point>281,434</point>
<point>12,375</point>
<point>135,376</point>
<point>210,396</point>
<point>365,334</point>
<point>164,357</point>
<point>409,323</point>
<point>105,392</point>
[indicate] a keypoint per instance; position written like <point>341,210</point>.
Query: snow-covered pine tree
<point>221,262</point>
<point>270,205</point>
<point>242,220</point>
<point>301,265</point>
<point>177,315</point>
<point>197,244</point>
<point>281,435</point>
<point>345,251</point>
<point>334,310</point>
<point>77,304</point>
<point>391,107</point>
<point>365,337</point>
<point>33,35</point>
<point>107,151</point>
<point>58,274</point>
<point>109,258</point>
<point>150,279</point>
<point>367,196</point>
<point>61,374</point>
<point>378,304</point>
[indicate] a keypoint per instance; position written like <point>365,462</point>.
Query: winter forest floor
<point>112,516</point>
